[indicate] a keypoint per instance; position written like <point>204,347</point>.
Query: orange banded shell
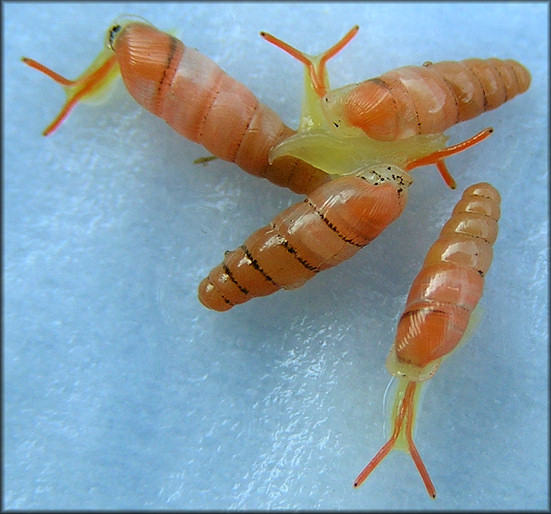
<point>449,285</point>
<point>204,104</point>
<point>329,226</point>
<point>429,99</point>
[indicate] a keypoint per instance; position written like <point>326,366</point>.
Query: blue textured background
<point>122,391</point>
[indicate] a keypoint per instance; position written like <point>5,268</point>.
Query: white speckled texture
<point>122,391</point>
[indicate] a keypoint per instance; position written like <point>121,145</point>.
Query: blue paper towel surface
<point>122,391</point>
